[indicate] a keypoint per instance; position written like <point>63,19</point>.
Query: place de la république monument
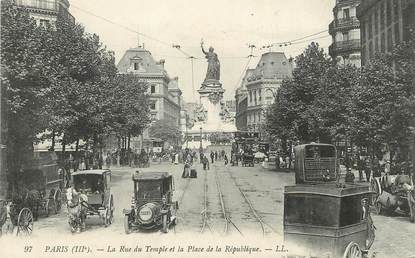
<point>212,118</point>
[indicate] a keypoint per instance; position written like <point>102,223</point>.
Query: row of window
<point>255,96</point>
<point>376,22</point>
<point>348,35</point>
<point>346,13</point>
<point>380,34</point>
<point>254,117</point>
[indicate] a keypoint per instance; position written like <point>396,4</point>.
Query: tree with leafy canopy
<point>27,84</point>
<point>294,116</point>
<point>128,110</point>
<point>384,102</point>
<point>62,80</point>
<point>165,130</point>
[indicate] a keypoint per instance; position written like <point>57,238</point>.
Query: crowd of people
<point>375,167</point>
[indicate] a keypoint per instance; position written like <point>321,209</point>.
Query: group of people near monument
<point>191,157</point>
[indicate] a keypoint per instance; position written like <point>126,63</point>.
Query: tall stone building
<point>262,85</point>
<point>241,103</point>
<point>47,11</point>
<point>384,24</point>
<point>165,96</point>
<point>345,32</point>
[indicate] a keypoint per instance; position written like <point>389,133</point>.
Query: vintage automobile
<point>90,195</point>
<point>393,192</point>
<point>315,162</point>
<point>152,205</point>
<point>323,216</point>
<point>247,160</point>
<point>325,219</point>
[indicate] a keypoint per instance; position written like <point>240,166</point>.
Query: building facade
<point>345,33</point>
<point>165,96</point>
<point>384,24</point>
<point>241,103</point>
<point>47,11</point>
<point>262,86</point>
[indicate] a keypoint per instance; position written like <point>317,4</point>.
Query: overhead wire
<point>291,42</point>
<point>121,25</point>
<point>189,56</point>
<point>298,39</point>
<point>251,46</point>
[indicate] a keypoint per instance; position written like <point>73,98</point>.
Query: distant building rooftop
<point>272,65</point>
<point>145,62</point>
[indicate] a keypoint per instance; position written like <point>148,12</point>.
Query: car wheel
<point>127,227</point>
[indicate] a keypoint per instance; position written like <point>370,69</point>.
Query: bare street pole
<point>3,141</point>
<point>193,80</point>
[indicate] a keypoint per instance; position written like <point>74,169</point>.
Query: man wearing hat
<point>387,167</point>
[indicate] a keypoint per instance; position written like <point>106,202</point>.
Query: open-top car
<point>392,193</point>
<point>90,195</point>
<point>152,205</point>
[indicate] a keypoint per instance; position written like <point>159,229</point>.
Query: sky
<point>227,25</point>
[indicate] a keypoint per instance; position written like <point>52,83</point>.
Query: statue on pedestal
<point>213,70</point>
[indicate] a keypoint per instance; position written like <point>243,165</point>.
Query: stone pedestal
<point>211,94</point>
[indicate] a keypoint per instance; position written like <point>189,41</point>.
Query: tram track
<point>180,200</point>
<point>186,186</point>
<point>264,225</point>
<point>205,217</point>
<point>225,214</point>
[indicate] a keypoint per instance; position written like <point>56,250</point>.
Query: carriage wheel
<point>106,217</point>
<point>411,204</point>
<point>375,188</point>
<point>47,207</point>
<point>112,209</point>
<point>377,207</point>
<point>127,228</point>
<point>57,199</point>
<point>109,212</point>
<point>165,228</point>
<point>352,251</point>
<point>25,222</point>
<point>370,232</point>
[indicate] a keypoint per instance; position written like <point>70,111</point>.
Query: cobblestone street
<point>247,193</point>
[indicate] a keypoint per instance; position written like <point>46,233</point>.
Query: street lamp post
<point>201,146</point>
<point>187,136</point>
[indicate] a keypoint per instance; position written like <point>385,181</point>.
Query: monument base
<point>211,95</point>
<point>212,84</point>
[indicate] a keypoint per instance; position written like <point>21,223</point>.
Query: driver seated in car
<point>98,187</point>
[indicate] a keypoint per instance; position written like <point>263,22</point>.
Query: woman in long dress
<point>176,159</point>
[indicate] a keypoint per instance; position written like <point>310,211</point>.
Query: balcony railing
<point>39,4</point>
<point>343,24</point>
<point>344,47</point>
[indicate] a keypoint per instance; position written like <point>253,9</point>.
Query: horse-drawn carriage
<point>152,205</point>
<point>90,195</point>
<point>38,190</point>
<point>41,191</point>
<point>322,216</point>
<point>393,192</point>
